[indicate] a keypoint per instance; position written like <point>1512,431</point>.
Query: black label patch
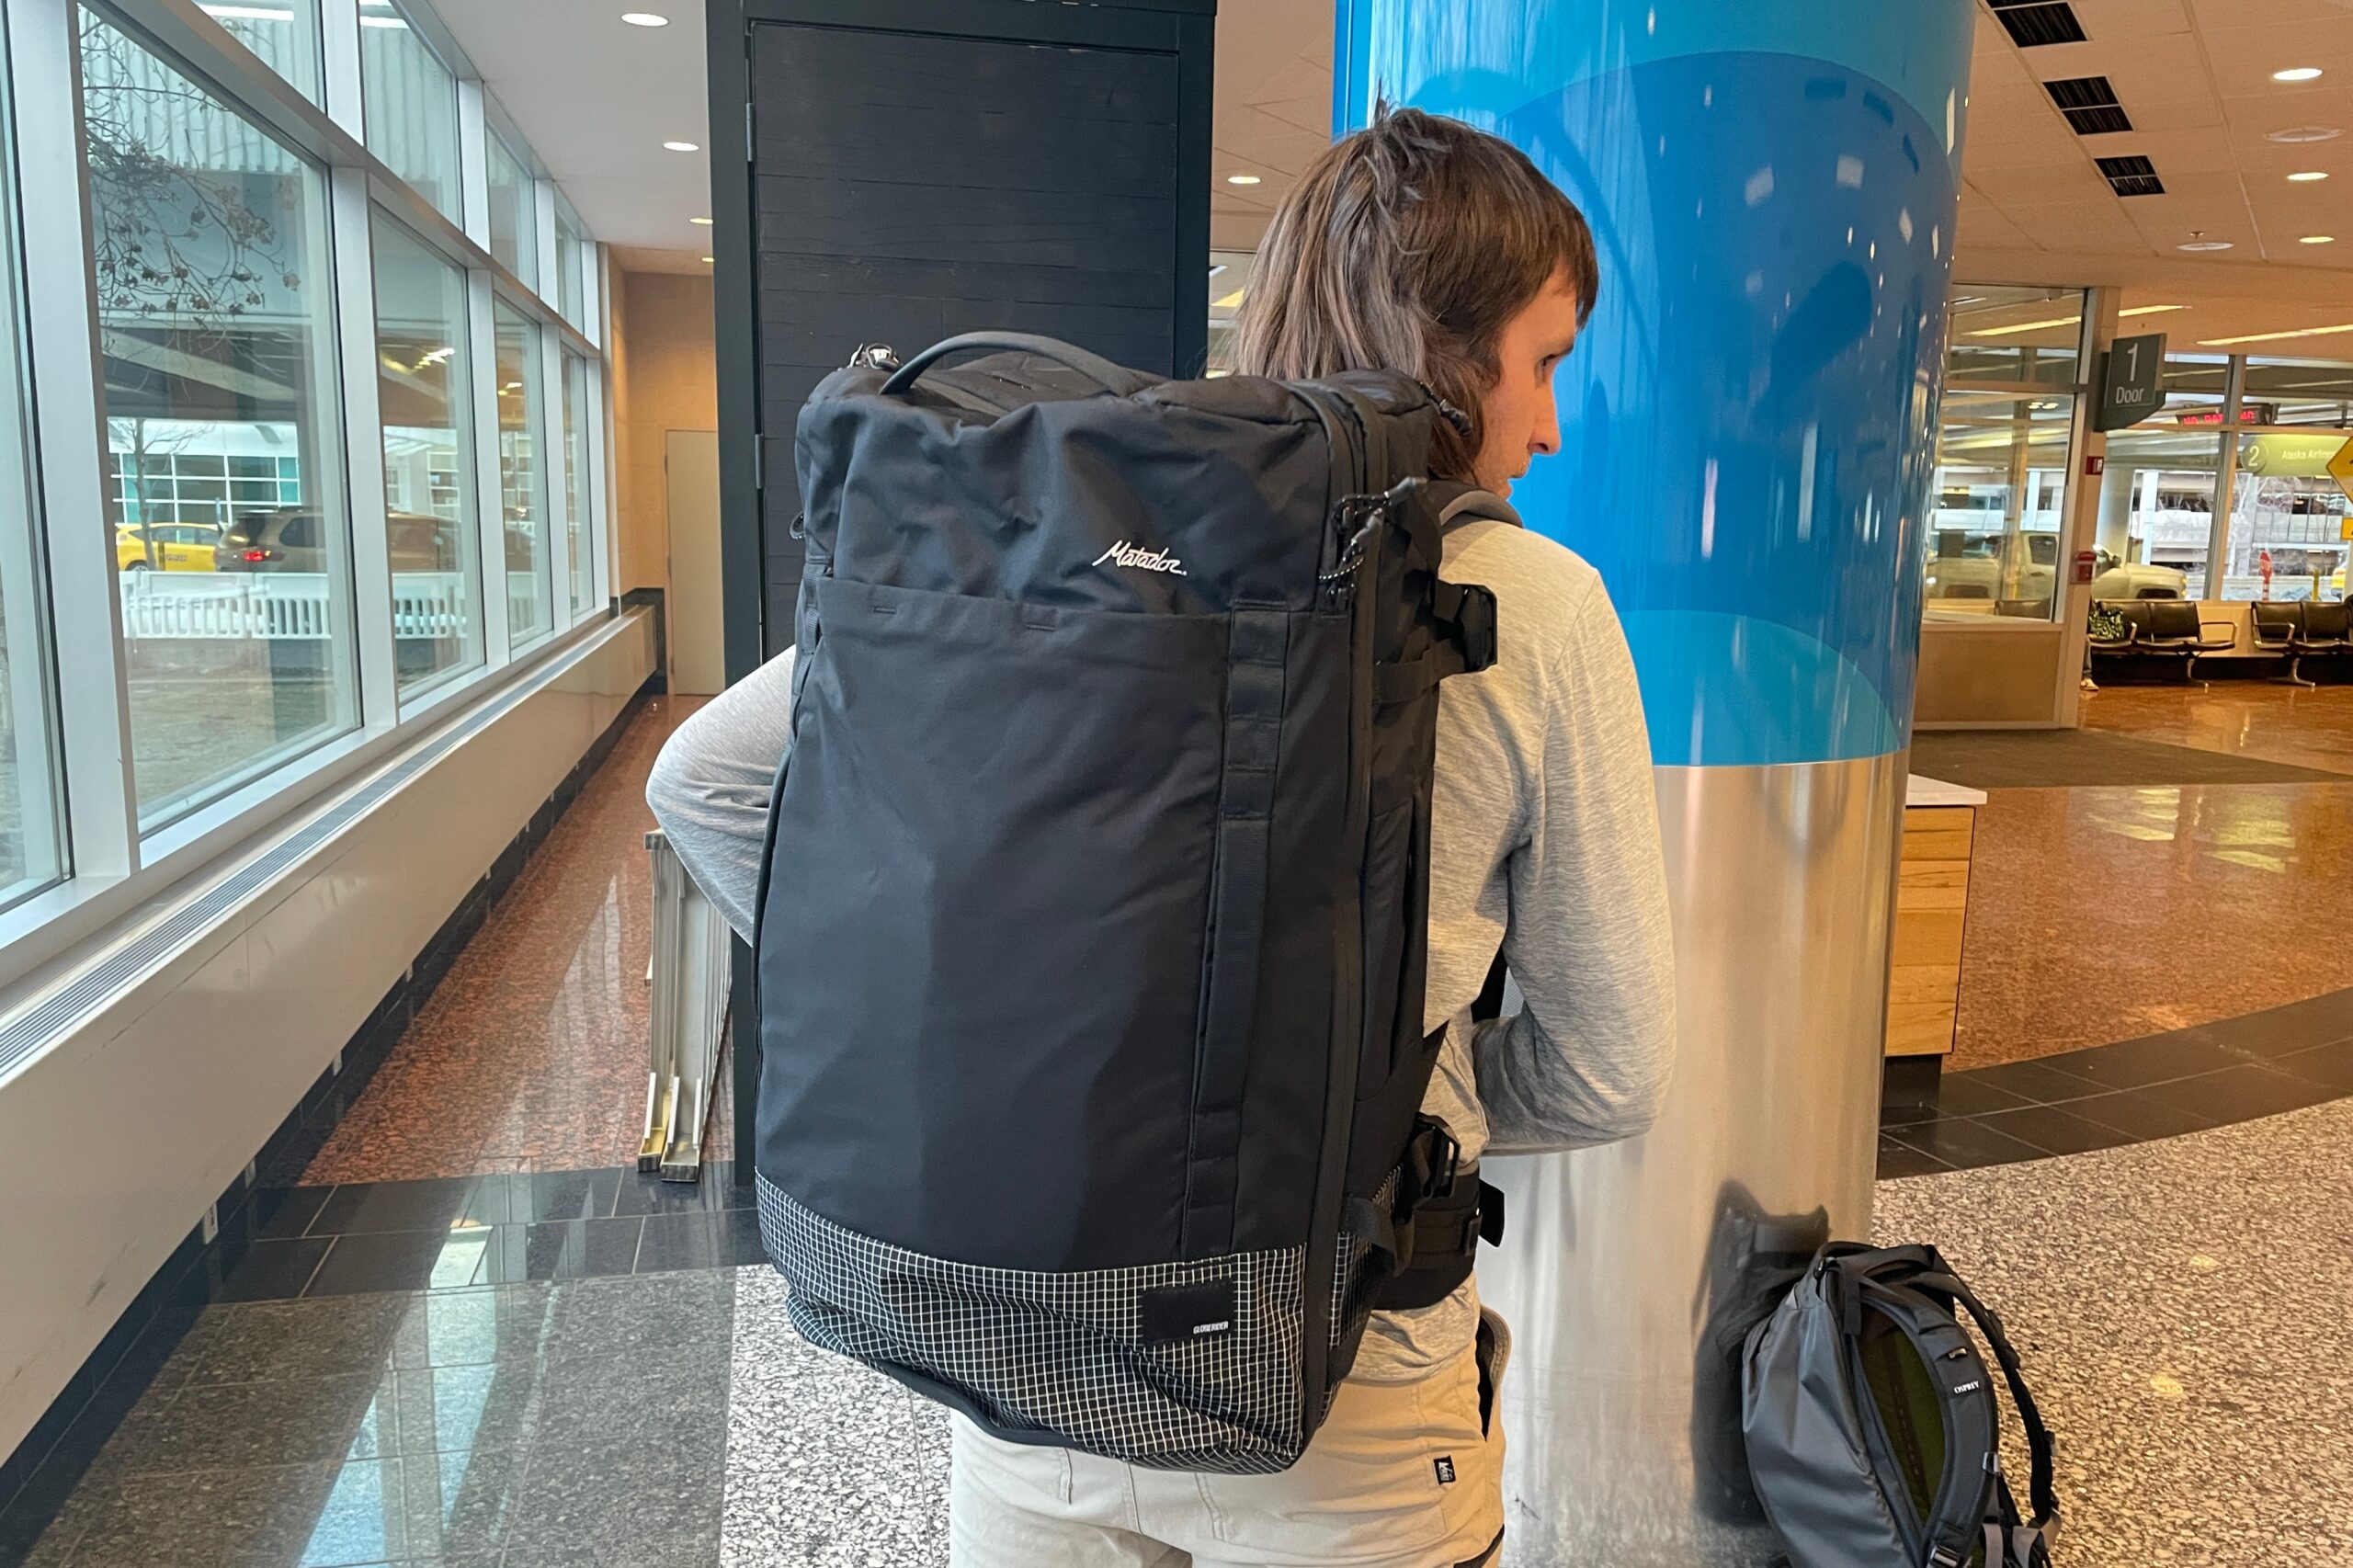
<point>1444,1465</point>
<point>1178,1315</point>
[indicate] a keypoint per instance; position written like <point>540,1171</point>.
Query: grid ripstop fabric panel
<point>1063,1352</point>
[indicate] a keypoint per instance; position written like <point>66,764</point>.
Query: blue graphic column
<point>1748,428</point>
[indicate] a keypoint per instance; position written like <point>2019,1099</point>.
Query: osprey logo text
<point>1126,554</point>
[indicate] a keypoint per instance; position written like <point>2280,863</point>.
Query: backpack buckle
<point>1432,1159</point>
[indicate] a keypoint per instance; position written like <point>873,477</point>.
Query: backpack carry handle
<point>1110,377</point>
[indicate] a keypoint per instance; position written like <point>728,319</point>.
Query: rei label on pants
<point>1444,1465</point>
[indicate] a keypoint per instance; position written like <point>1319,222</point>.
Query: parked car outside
<point>173,547</point>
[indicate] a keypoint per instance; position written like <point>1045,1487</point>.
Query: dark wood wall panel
<point>907,187</point>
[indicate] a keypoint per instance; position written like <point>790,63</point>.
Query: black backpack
<point>1873,1436</point>
<point>1091,961</point>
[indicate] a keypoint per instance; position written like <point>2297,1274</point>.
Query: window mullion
<point>556,461</point>
<point>482,335</point>
<point>596,534</point>
<point>371,570</point>
<point>69,414</point>
<point>474,162</point>
<point>339,43</point>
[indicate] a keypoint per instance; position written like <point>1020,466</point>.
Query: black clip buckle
<point>1433,1158</point>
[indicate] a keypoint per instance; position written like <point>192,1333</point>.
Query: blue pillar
<point>1748,431</point>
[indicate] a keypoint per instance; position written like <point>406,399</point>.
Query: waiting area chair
<point>2302,629</point>
<point>2167,631</point>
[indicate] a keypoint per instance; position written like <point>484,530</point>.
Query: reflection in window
<point>31,838</point>
<point>522,484</point>
<point>514,214</point>
<point>2012,334</point>
<point>412,105</point>
<point>2156,510</point>
<point>428,471</point>
<point>1999,506</point>
<point>214,301</point>
<point>581,538</point>
<point>2288,517</point>
<point>284,34</point>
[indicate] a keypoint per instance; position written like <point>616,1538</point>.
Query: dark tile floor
<point>451,1232</point>
<point>2210,1075</point>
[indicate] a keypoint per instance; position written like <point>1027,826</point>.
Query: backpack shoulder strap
<point>2042,1493</point>
<point>1458,503</point>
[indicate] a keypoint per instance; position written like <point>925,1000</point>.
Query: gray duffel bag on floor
<point>1873,1435</point>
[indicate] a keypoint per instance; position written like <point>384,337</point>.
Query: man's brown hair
<point>1407,246</point>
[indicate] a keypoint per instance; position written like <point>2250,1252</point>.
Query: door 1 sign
<point>2128,386</point>
<point>2340,469</point>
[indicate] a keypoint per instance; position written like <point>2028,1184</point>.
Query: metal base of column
<point>1632,1272</point>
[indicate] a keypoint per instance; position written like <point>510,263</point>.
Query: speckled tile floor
<point>530,1055</point>
<point>2181,1308</point>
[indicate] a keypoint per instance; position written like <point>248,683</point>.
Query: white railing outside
<point>285,605</point>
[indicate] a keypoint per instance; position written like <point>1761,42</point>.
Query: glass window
<point>32,838</point>
<point>283,33</point>
<point>215,317</point>
<point>2288,517</point>
<point>2000,503</point>
<point>428,506</point>
<point>2298,392</point>
<point>514,213</point>
<point>2020,336</point>
<point>570,268</point>
<point>581,537</point>
<point>412,105</point>
<point>522,484</point>
<point>2156,511</point>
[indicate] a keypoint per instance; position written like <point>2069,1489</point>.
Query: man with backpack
<point>1152,814</point>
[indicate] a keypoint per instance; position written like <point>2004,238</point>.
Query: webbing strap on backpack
<point>2041,1489</point>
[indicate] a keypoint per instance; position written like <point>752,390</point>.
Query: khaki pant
<point>1402,1475</point>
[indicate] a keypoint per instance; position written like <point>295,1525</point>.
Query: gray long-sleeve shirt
<point>1544,837</point>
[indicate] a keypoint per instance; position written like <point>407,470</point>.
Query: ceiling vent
<point>2131,177</point>
<point>2033,23</point>
<point>2090,105</point>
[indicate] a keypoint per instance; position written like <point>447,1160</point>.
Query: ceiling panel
<point>2106,19</point>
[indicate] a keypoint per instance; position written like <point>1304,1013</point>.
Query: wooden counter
<point>1932,908</point>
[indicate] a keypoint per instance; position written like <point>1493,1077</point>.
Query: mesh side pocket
<point>1062,1353</point>
<point>1357,1279</point>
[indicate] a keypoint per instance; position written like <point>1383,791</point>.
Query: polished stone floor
<point>530,1055</point>
<point>2099,914</point>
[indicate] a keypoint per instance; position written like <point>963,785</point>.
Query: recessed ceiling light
<point>2297,74</point>
<point>701,223</point>
<point>2317,240</point>
<point>707,261</point>
<point>2296,133</point>
<point>2276,337</point>
<point>2305,176</point>
<point>680,147</point>
<point>644,19</point>
<point>2205,245</point>
<point>1242,179</point>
